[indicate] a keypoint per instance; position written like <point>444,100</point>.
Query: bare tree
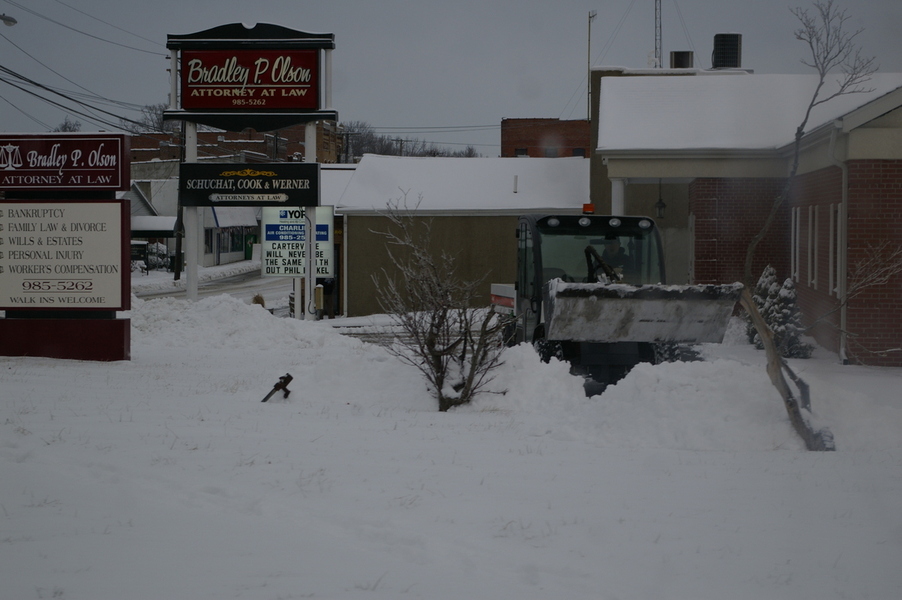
<point>68,126</point>
<point>455,346</point>
<point>832,47</point>
<point>362,139</point>
<point>151,120</point>
<point>883,261</point>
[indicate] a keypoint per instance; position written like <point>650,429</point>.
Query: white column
<point>327,80</point>
<point>618,203</point>
<point>309,226</point>
<point>193,226</point>
<point>173,79</point>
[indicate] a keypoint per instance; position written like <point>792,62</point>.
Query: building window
<point>521,152</point>
<point>581,152</point>
<point>831,252</point>
<point>236,242</point>
<point>836,253</point>
<point>551,153</point>
<point>813,213</point>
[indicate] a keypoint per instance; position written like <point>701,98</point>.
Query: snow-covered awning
<point>235,216</point>
<point>153,227</point>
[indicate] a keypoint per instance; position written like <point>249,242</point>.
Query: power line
<point>110,24</point>
<point>36,120</point>
<point>55,22</point>
<point>30,82</point>
<point>683,23</point>
<point>62,106</point>
<point>436,129</point>
<point>57,73</point>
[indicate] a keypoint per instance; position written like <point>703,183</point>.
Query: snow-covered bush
<point>764,290</point>
<point>777,305</point>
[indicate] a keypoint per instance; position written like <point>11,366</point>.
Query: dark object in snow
<point>281,385</point>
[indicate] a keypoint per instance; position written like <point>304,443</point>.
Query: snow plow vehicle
<point>591,290</point>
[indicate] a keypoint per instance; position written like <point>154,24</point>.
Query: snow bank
<point>166,477</point>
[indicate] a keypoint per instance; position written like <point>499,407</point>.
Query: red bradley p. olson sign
<point>254,80</point>
<point>64,162</point>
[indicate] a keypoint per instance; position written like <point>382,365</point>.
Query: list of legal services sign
<point>58,255</point>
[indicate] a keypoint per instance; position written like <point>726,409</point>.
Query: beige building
<point>473,203</point>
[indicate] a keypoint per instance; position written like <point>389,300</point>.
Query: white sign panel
<point>61,255</point>
<point>284,244</point>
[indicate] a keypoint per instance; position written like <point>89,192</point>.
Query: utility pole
<point>592,14</point>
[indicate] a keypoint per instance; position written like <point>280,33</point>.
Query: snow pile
<point>166,477</point>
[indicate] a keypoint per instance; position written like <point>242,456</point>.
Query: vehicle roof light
<point>585,221</point>
<point>645,224</point>
<point>615,222</point>
<point>553,222</point>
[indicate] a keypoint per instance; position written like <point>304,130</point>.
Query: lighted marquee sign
<point>251,80</point>
<point>64,255</point>
<point>262,76</point>
<point>255,184</point>
<point>284,243</point>
<point>64,162</point>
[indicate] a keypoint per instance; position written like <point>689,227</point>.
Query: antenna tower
<point>659,58</point>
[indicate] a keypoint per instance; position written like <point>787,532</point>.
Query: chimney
<point>682,59</point>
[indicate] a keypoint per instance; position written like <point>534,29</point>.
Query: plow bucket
<point>651,313</point>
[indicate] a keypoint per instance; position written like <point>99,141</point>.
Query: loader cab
<point>555,247</point>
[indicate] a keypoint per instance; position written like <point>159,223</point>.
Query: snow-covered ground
<point>165,477</point>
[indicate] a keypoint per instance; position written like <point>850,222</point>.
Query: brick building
<point>717,153</point>
<point>544,138</point>
<point>248,146</point>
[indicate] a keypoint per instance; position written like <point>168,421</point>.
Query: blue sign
<point>297,232</point>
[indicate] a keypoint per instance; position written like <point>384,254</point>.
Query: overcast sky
<point>448,71</point>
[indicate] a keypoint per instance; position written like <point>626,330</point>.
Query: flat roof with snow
<point>466,184</point>
<point>754,112</point>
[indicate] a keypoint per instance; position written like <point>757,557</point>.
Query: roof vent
<point>682,59</point>
<point>727,51</point>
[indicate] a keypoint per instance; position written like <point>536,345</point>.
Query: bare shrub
<point>454,345</point>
